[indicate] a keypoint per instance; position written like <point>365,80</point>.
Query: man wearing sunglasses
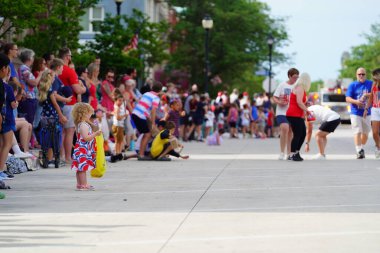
<point>357,95</point>
<point>71,83</point>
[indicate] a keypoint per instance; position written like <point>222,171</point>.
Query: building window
<point>90,20</point>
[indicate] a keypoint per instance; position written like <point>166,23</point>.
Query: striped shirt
<point>148,101</point>
<point>376,97</point>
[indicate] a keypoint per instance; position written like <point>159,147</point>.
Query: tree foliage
<point>365,55</point>
<point>238,40</point>
<point>316,85</point>
<point>116,32</point>
<point>51,24</point>
<point>13,17</point>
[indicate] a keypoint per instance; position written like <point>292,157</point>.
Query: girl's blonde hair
<point>46,80</point>
<point>304,81</point>
<point>80,111</point>
<point>91,69</point>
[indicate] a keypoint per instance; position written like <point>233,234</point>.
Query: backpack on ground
<point>16,165</point>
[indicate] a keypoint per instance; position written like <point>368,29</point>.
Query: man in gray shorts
<point>70,79</point>
<point>281,97</point>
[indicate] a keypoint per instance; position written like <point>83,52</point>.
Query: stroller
<point>50,137</point>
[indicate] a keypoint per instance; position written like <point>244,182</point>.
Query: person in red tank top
<point>296,115</point>
<point>374,101</point>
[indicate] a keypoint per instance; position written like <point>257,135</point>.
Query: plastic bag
<point>101,164</point>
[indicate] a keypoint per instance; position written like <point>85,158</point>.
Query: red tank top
<point>375,95</point>
<point>294,110</point>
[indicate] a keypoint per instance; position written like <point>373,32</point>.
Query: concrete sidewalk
<point>232,198</point>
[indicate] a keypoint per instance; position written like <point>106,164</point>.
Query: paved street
<point>234,198</point>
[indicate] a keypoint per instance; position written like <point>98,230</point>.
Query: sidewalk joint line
<point>199,200</point>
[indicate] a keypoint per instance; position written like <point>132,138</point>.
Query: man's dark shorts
<point>141,124</point>
<point>280,119</point>
<point>329,126</point>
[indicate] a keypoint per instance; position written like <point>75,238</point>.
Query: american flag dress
<point>84,156</point>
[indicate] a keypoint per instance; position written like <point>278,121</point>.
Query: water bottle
<point>132,145</point>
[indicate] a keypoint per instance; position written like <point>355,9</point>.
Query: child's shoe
<point>85,188</point>
<point>113,158</point>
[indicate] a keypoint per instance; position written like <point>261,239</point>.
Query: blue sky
<point>320,31</point>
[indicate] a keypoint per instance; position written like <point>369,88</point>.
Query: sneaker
<point>377,154</point>
<point>3,186</point>
<point>113,159</point>
<point>281,156</point>
<point>51,164</point>
<point>296,157</point>
<point>360,154</point>
<point>23,155</point>
<point>319,157</point>
<point>4,176</point>
<point>299,156</point>
<point>10,175</point>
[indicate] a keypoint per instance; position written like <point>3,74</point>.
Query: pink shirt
<point>107,101</point>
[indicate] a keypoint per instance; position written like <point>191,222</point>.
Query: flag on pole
<point>132,44</point>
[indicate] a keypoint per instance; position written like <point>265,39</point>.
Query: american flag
<point>132,44</point>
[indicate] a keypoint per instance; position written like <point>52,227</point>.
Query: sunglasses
<point>361,74</point>
<point>111,77</point>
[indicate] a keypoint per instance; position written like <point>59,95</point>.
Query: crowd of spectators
<point>49,86</point>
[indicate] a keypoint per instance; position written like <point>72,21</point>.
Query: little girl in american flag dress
<point>84,156</point>
<point>85,148</point>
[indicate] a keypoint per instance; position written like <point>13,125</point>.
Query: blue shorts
<point>280,119</point>
<point>7,128</point>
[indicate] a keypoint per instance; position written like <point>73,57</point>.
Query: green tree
<point>238,40</point>
<point>316,85</point>
<point>56,24</point>
<point>366,55</point>
<point>116,33</point>
<point>13,17</point>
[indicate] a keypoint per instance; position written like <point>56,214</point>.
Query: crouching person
<point>161,146</point>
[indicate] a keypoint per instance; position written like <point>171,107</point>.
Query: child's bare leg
<point>81,178</point>
<point>166,151</point>
<point>207,131</point>
<point>182,131</point>
<point>50,154</point>
<point>128,140</point>
<point>118,147</point>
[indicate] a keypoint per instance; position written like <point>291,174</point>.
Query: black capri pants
<point>299,132</point>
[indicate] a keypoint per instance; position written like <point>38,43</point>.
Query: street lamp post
<point>270,42</point>
<point>118,5</point>
<point>207,24</point>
